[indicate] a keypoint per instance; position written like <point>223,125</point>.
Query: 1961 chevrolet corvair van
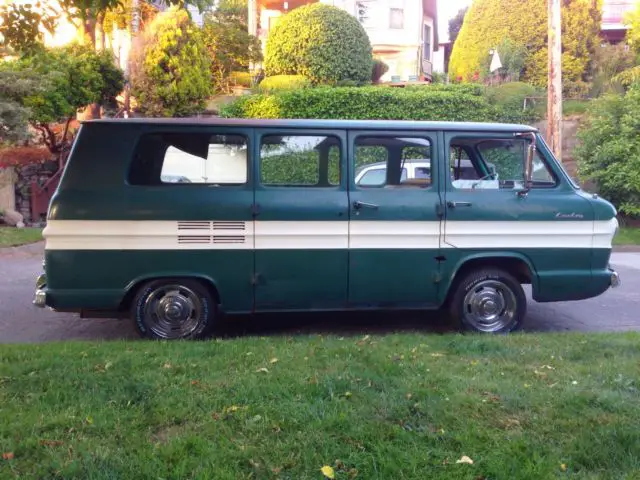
<point>267,216</point>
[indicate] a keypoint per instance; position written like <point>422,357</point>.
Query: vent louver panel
<point>228,239</point>
<point>228,225</point>
<point>200,232</point>
<point>194,239</point>
<point>196,225</point>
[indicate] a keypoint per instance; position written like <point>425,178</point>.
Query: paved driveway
<point>616,310</point>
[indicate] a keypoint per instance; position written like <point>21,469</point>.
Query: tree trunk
<point>89,31</point>
<point>101,41</point>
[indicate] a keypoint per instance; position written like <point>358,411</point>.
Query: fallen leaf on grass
<point>273,360</point>
<point>232,408</point>
<point>328,472</point>
<point>563,467</point>
<point>167,365</point>
<point>465,459</point>
<point>437,355</point>
<point>262,370</point>
<point>7,456</point>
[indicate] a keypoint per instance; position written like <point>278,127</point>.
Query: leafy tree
<point>488,22</point>
<point>231,48</point>
<point>14,117</point>
<point>20,26</point>
<point>71,77</point>
<point>324,43</point>
<point>609,149</point>
<point>170,67</point>
<point>455,24</point>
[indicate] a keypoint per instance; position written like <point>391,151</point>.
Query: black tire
<point>174,309</point>
<point>483,293</point>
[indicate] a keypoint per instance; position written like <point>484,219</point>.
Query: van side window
<point>165,158</point>
<point>387,162</point>
<point>494,164</point>
<point>300,160</point>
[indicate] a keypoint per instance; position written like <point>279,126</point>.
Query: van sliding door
<point>301,219</point>
<point>394,226</point>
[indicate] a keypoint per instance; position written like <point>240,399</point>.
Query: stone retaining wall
<point>39,173</point>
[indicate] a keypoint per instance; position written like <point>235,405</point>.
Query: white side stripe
<point>309,235</point>
<point>389,234</point>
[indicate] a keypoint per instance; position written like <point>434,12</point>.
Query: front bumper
<point>40,295</point>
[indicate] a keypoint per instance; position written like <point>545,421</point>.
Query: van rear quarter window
<point>189,158</point>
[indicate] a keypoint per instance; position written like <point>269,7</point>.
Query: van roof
<point>306,123</point>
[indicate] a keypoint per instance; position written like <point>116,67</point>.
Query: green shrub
<point>373,102</point>
<point>609,151</point>
<point>378,70</point>
<point>170,67</point>
<point>324,43</point>
<point>242,79</point>
<point>488,22</point>
<point>284,82</point>
<point>510,97</point>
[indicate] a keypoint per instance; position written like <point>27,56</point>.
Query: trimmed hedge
<point>284,82</point>
<point>446,103</point>
<point>324,43</point>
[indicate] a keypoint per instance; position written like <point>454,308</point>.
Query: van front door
<point>550,227</point>
<point>394,226</point>
<point>301,220</point>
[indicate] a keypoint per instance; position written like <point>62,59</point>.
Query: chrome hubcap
<point>489,306</point>
<point>172,311</point>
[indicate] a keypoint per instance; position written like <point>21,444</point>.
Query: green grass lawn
<point>526,406</point>
<point>11,237</point>
<point>627,236</point>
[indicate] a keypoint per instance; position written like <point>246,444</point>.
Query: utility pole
<point>554,82</point>
<point>135,23</point>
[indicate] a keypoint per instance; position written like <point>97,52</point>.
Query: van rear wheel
<point>174,309</point>
<point>489,300</point>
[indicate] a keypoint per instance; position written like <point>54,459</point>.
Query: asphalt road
<point>615,310</point>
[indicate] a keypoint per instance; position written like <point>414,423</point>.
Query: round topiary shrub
<point>324,43</point>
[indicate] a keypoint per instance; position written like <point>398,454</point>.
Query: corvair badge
<point>569,215</point>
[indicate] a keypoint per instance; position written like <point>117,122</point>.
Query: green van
<point>173,222</point>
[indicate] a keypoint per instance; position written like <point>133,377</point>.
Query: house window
<point>396,18</point>
<point>364,12</point>
<point>426,54</point>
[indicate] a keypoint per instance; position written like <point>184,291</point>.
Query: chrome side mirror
<point>528,165</point>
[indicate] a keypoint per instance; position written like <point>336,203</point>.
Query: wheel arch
<point>516,264</point>
<point>133,287</point>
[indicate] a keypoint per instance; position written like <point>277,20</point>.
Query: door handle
<point>451,204</point>
<point>358,205</point>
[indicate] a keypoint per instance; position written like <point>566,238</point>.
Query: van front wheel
<point>489,301</point>
<point>174,309</point>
